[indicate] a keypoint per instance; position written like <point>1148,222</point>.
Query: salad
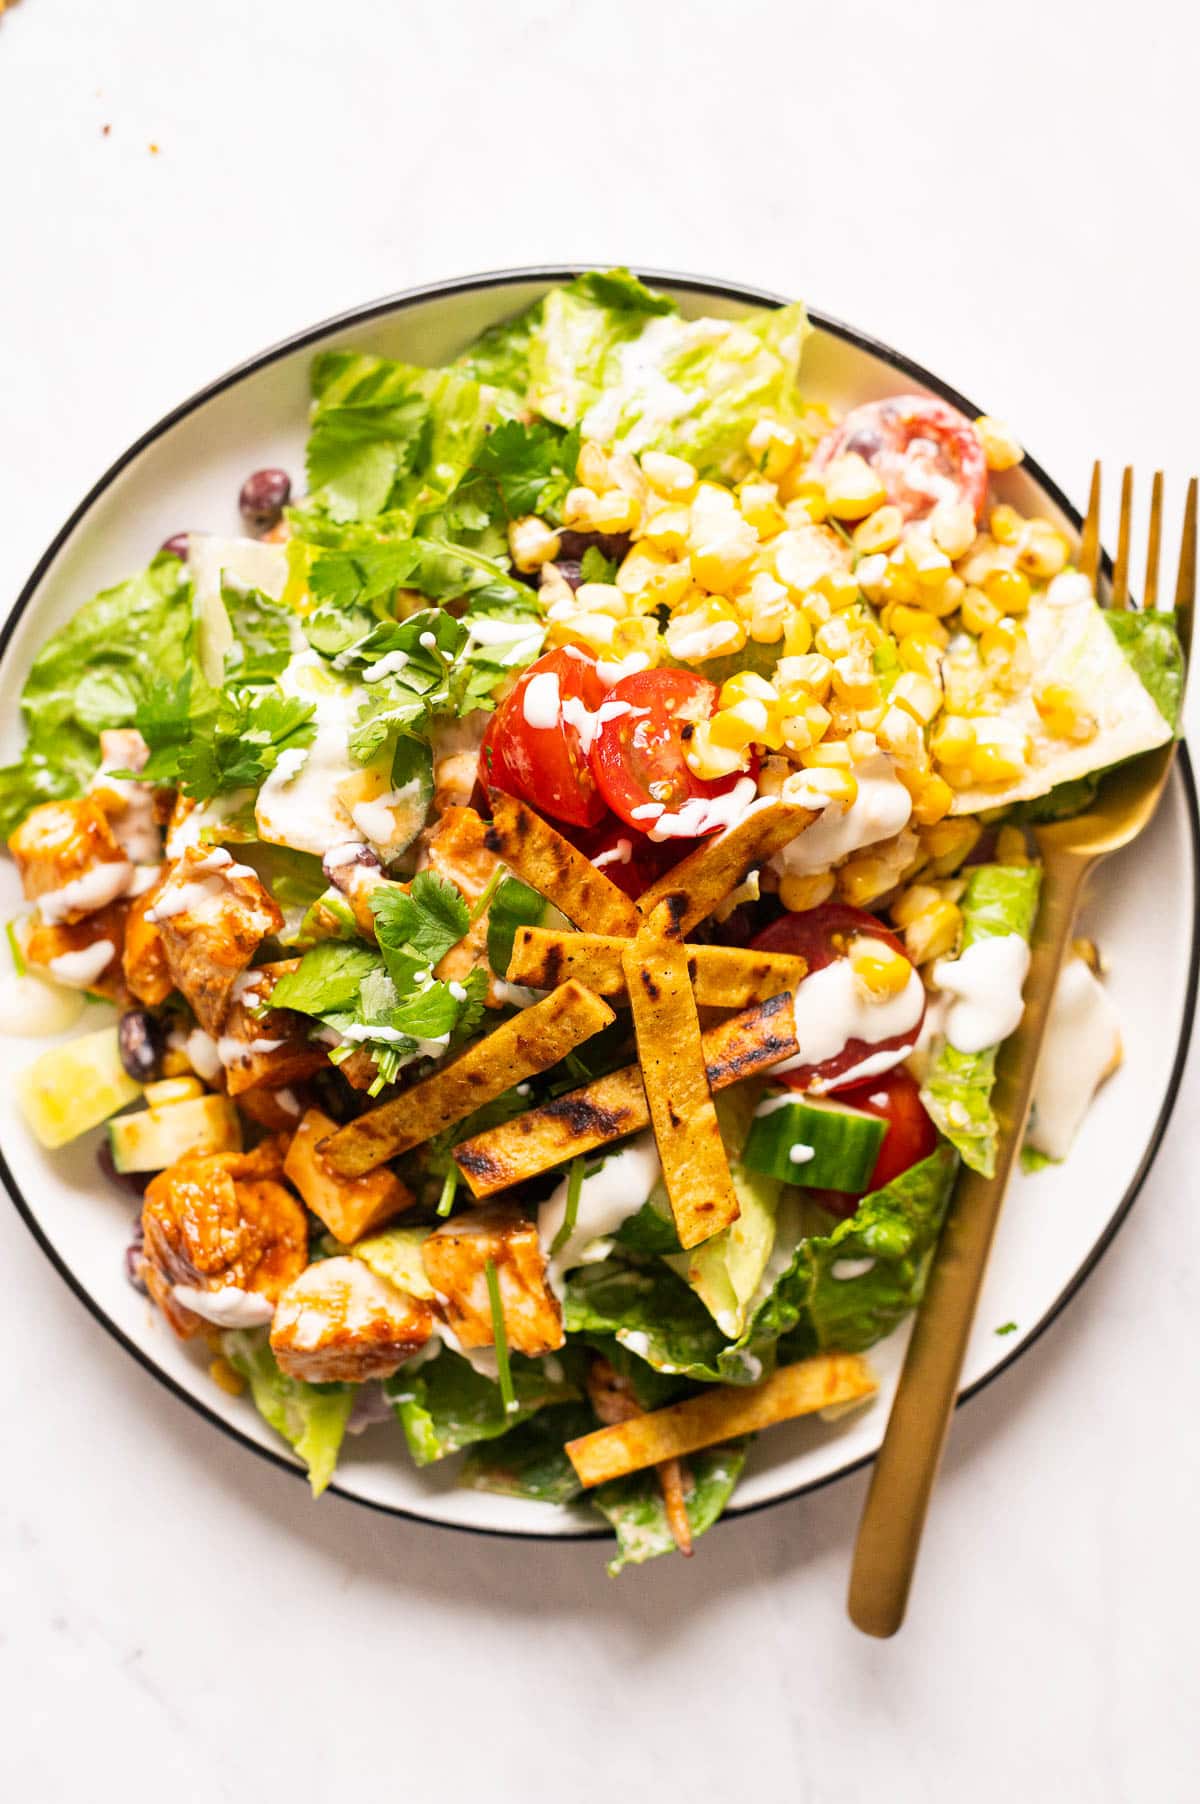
<point>562,878</point>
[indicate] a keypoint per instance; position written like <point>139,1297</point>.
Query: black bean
<point>142,1044</point>
<point>570,569</point>
<point>264,497</point>
<point>612,545</point>
<point>177,544</point>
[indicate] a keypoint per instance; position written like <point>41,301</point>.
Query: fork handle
<point>906,1468</point>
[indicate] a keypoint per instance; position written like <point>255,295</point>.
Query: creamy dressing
<point>1081,1048</point>
<point>832,1007</point>
<point>984,991</point>
<point>31,1007</point>
<point>232,1051</point>
<point>705,814</point>
<point>588,723</point>
<point>799,1154</point>
<point>703,641</point>
<point>300,807</point>
<point>880,810</point>
<point>225,1308</point>
<point>541,704</point>
<point>79,970</point>
<point>621,853</point>
<point>607,1197</point>
<point>133,824</point>
<point>187,898</point>
<point>202,1054</point>
<point>391,664</point>
<point>209,816</point>
<point>377,820</point>
<point>86,893</point>
<point>844,1269</point>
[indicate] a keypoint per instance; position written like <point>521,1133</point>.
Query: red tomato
<point>895,1097</point>
<point>923,451</point>
<point>639,758</point>
<point>647,859</point>
<point>546,765</point>
<point>819,935</point>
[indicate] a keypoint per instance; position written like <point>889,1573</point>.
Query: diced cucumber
<point>72,1088</point>
<point>513,905</point>
<point>155,1138</point>
<point>818,1143</point>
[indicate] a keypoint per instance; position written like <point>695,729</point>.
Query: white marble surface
<point>1008,197</point>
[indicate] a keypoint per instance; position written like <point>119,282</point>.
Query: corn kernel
<point>1011,847</point>
<point>809,672</point>
<point>719,564</point>
<point>978,613</point>
<point>766,608</point>
<point>733,729</point>
<point>931,799</point>
<point>170,1090</point>
<point>1043,551</point>
<point>934,933</point>
<point>985,555</point>
<point>578,508</point>
<point>591,467</point>
<point>920,695</point>
<point>672,477</point>
<point>638,633</point>
<point>1000,446</point>
<point>760,508</point>
<point>930,566</point>
<point>747,685</point>
<point>624,473</point>
<point>903,621</point>
<point>832,782</point>
<point>946,843</point>
<point>869,573</point>
<point>615,512</point>
<point>667,529</point>
<point>223,1375</point>
<point>922,653</point>
<point>953,740</point>
<point>1000,753</point>
<point>834,639</point>
<point>803,496</point>
<point>532,543</point>
<point>797,634</point>
<point>852,487</point>
<point>899,582</point>
<point>901,735</point>
<point>855,682</point>
<point>175,1062</point>
<point>800,893</point>
<point>596,632</point>
<point>1064,712</point>
<point>1008,589</point>
<point>601,598</point>
<point>833,755</point>
<point>880,531</point>
<point>554,590</point>
<point>775,448</point>
<point>816,609</point>
<point>711,630</point>
<point>803,725</point>
<point>912,903</point>
<point>864,879</point>
<point>1001,641</point>
<point>1006,525</point>
<point>879,970</point>
<point>710,761</point>
<point>952,524</point>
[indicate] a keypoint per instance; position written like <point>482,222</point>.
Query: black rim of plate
<point>550,274</point>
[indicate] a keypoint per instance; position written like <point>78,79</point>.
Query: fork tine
<point>1119,595</point>
<point>1150,592</point>
<point>1089,543</point>
<point>1185,582</point>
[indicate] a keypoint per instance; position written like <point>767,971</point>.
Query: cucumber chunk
<point>72,1088</point>
<point>820,1144</point>
<point>155,1138</point>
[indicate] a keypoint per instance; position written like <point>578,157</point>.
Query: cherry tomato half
<point>819,935</point>
<point>923,452</point>
<point>541,760</point>
<point>638,758</point>
<point>894,1097</point>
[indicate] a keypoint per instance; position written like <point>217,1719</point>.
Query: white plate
<point>185,473</point>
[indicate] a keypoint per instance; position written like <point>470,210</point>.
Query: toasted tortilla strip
<point>531,1041</point>
<point>713,871</point>
<point>722,976</point>
<point>550,864</point>
<point>694,1162</point>
<point>743,1046</point>
<point>721,1414</point>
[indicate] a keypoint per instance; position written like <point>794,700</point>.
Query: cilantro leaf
<point>262,639</point>
<point>328,979</point>
<point>594,567</point>
<point>532,466</point>
<point>210,743</point>
<point>422,923</point>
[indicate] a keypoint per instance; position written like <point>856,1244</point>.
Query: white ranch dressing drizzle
<point>607,1197</point>
<point>703,814</point>
<point>1082,1045</point>
<point>84,894</point>
<point>832,1007</point>
<point>984,987</point>
<point>226,1308</point>
<point>879,811</point>
<point>79,970</point>
<point>541,704</point>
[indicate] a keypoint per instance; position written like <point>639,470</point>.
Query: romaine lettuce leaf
<point>529,1461</point>
<point>92,675</point>
<point>444,1403</point>
<point>634,1506</point>
<point>725,1272</point>
<point>310,1417</point>
<point>957,1092</point>
<point>1150,641</point>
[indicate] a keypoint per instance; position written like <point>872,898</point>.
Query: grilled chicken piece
<point>271,1050</point>
<point>340,1322</point>
<point>131,807</point>
<point>456,746</point>
<point>144,959</point>
<point>213,916</point>
<point>221,1223</point>
<point>85,955</point>
<point>68,860</point>
<point>456,1258</point>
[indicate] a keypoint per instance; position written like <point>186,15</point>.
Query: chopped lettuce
<point>310,1417</point>
<point>1150,641</point>
<point>92,675</point>
<point>634,1506</point>
<point>725,1272</point>
<point>529,1460</point>
<point>999,899</point>
<point>444,1403</point>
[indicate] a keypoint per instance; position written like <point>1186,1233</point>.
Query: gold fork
<point>906,1468</point>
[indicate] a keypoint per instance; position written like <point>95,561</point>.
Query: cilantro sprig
<point>210,742</point>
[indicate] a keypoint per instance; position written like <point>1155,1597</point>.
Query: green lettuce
<point>93,675</point>
<point>444,1403</point>
<point>999,899</point>
<point>635,1509</point>
<point>529,1460</point>
<point>310,1417</point>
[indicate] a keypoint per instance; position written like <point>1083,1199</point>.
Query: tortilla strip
<point>713,871</point>
<point>722,976</point>
<point>720,1414</point>
<point>530,1042</point>
<point>742,1046</point>
<point>695,1165</point>
<point>550,864</point>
